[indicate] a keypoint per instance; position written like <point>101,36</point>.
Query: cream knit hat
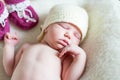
<point>67,13</point>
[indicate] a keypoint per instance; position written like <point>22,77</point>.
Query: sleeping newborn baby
<point>57,55</point>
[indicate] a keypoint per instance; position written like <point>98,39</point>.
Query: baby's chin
<point>59,47</point>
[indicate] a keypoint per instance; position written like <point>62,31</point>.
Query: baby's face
<point>60,35</point>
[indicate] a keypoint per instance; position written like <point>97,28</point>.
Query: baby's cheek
<point>75,41</point>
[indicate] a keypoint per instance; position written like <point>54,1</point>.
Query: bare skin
<point>29,62</point>
<point>56,58</point>
<point>31,66</point>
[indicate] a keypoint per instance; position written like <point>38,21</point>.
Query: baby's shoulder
<point>25,45</point>
<point>37,45</point>
<point>44,47</point>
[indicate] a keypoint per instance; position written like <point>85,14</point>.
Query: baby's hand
<point>11,39</point>
<point>73,50</point>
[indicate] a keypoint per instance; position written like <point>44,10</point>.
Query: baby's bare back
<point>38,62</point>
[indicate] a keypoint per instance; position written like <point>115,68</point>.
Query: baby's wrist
<point>81,55</point>
<point>10,45</point>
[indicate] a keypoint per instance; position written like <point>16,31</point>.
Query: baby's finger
<point>63,52</point>
<point>14,38</point>
<point>74,55</point>
<point>7,35</point>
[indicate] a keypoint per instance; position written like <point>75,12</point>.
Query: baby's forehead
<point>69,25</point>
<point>65,24</point>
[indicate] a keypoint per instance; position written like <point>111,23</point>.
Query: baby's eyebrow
<point>65,25</point>
<point>59,24</point>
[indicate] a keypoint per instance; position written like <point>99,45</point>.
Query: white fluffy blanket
<point>102,43</point>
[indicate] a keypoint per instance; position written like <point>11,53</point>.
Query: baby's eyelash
<point>77,35</point>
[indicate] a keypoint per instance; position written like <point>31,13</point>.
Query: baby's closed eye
<point>64,26</point>
<point>77,35</point>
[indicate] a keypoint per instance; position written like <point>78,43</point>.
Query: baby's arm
<point>19,53</point>
<point>10,41</point>
<point>75,70</point>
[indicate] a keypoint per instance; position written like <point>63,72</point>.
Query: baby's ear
<point>45,31</point>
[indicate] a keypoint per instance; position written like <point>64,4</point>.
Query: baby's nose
<point>67,35</point>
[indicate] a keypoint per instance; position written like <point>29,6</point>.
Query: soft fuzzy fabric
<point>101,44</point>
